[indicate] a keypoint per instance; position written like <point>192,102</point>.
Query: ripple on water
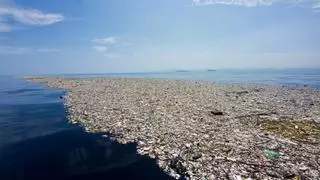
<point>37,143</point>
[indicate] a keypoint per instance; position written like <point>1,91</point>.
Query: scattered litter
<point>198,129</point>
<point>216,113</point>
<point>271,154</point>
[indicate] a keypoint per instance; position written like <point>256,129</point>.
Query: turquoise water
<point>36,142</point>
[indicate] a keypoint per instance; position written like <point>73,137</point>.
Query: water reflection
<point>37,143</point>
<point>74,154</point>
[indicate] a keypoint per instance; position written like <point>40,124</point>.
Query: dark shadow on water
<point>74,154</point>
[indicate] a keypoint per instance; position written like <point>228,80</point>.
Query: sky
<point>107,36</point>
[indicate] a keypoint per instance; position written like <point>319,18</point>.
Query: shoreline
<point>199,129</point>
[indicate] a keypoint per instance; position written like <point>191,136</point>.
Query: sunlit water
<point>36,142</point>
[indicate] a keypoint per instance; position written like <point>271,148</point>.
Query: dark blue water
<point>36,142</point>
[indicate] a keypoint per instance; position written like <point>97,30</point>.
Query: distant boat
<point>211,70</point>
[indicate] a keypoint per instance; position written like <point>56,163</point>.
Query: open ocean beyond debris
<point>36,142</point>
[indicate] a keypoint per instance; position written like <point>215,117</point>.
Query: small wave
<point>19,91</point>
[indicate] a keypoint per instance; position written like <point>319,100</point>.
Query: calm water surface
<point>36,142</point>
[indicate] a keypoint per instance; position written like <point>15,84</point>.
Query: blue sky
<point>101,36</point>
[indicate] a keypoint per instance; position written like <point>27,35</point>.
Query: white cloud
<point>16,50</point>
<point>32,17</point>
<point>104,45</point>
<point>254,3</point>
<point>12,15</point>
<point>108,40</point>
<point>112,55</point>
<point>316,5</point>
<point>13,50</point>
<point>249,3</point>
<point>100,48</point>
<point>48,50</point>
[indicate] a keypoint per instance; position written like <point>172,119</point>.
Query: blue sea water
<point>36,142</point>
<point>291,77</point>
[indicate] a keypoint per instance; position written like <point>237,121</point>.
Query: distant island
<point>182,71</point>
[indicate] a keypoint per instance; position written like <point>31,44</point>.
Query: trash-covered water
<point>36,142</point>
<point>292,77</point>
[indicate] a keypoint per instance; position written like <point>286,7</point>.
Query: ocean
<point>36,142</point>
<point>290,77</point>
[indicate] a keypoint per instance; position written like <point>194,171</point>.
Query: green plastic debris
<point>271,154</point>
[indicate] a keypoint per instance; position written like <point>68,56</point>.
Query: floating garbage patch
<point>203,130</point>
<point>305,132</point>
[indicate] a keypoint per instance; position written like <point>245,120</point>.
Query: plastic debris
<point>271,154</point>
<point>227,128</point>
